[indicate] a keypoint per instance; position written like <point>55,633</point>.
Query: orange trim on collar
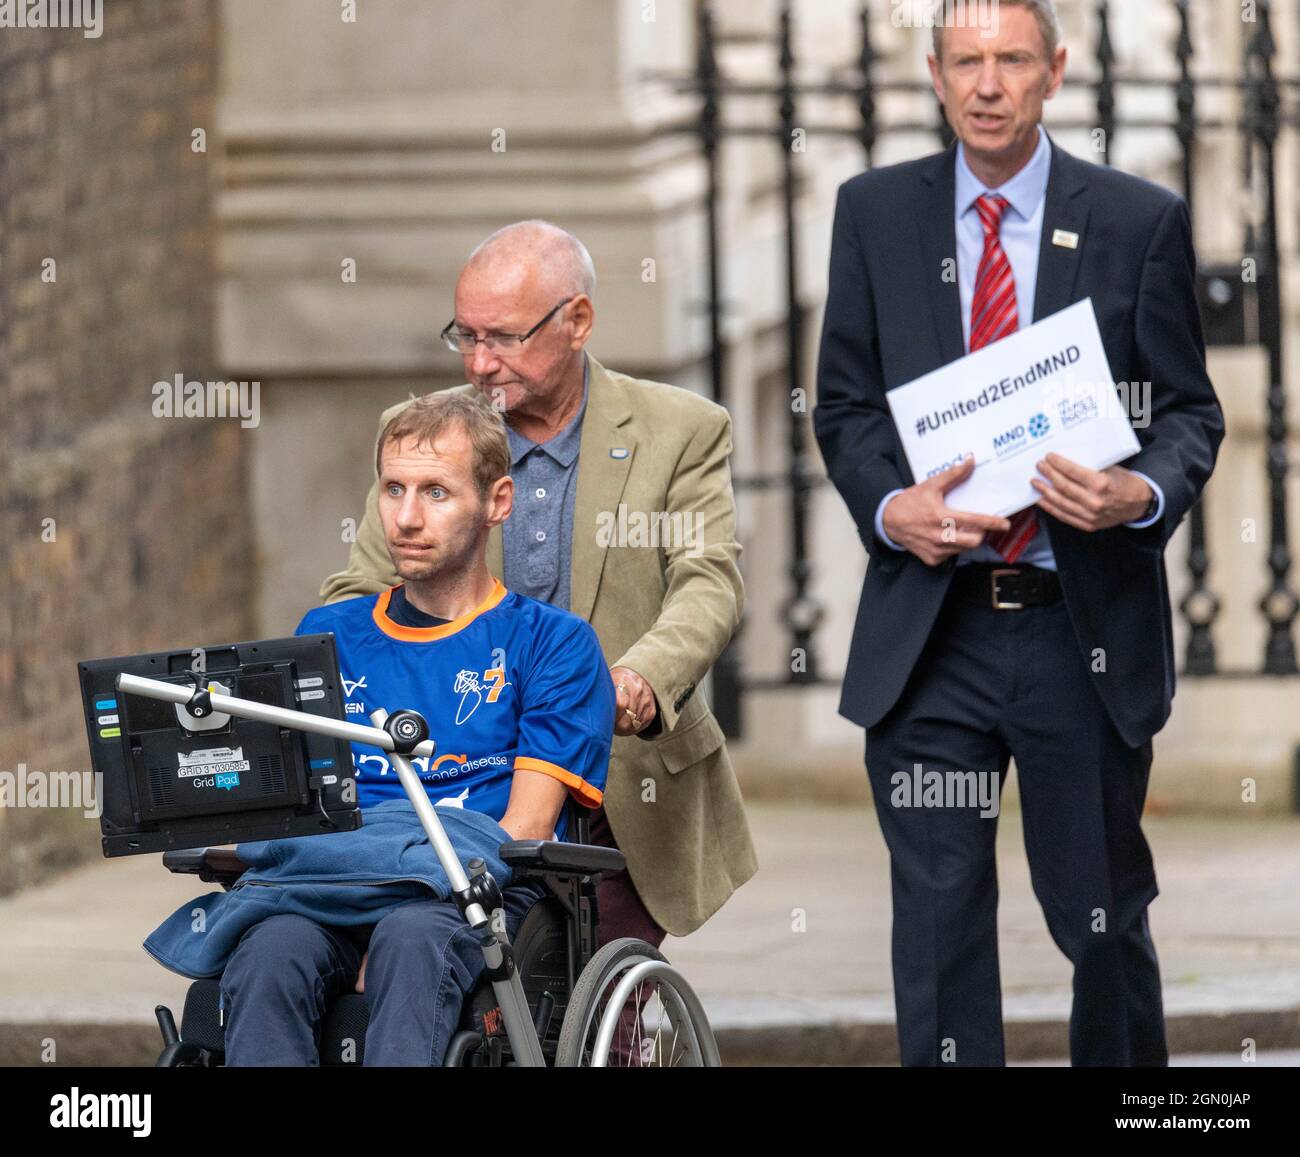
<point>432,634</point>
<point>578,787</point>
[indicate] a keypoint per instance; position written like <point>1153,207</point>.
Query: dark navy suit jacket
<point>892,315</point>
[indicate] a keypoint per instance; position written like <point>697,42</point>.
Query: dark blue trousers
<point>423,962</point>
<point>991,685</point>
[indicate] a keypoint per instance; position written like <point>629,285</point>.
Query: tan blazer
<point>664,602</point>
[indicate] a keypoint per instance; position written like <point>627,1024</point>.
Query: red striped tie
<point>993,316</point>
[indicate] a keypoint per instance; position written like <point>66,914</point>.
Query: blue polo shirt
<point>537,538</point>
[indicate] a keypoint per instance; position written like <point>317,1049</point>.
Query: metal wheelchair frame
<point>568,870</point>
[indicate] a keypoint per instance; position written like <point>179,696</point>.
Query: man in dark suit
<point>1045,636</point>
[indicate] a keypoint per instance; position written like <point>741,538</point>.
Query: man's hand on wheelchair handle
<point>920,520</point>
<point>636,707</point>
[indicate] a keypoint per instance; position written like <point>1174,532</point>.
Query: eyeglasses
<point>461,342</point>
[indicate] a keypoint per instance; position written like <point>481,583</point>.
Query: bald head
<point>531,283</point>
<point>537,252</point>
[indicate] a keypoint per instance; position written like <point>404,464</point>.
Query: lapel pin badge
<point>1065,239</point>
<point>618,452</point>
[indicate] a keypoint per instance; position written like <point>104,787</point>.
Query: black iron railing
<point>1266,105</point>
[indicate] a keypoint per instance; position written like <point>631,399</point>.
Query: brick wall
<point>149,543</point>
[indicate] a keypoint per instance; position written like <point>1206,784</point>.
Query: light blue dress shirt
<point>1021,235</point>
<point>537,538</point>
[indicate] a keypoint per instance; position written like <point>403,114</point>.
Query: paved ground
<point>794,969</point>
<point>1226,925</point>
<point>1275,1059</point>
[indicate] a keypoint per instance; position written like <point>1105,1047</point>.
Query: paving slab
<point>794,969</point>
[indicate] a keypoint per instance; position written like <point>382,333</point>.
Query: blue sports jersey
<point>514,684</point>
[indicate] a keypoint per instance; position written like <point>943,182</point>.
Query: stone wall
<point>121,531</point>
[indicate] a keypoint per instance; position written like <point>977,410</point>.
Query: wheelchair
<point>550,997</point>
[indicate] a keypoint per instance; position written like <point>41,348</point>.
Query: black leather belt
<point>1007,588</point>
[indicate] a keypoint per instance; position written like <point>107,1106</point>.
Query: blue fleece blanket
<point>344,878</point>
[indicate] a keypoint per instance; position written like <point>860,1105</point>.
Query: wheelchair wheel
<point>630,1008</point>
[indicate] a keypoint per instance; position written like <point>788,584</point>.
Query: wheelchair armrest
<point>211,865</point>
<point>558,856</point>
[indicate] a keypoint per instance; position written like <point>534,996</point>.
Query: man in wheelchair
<point>519,701</point>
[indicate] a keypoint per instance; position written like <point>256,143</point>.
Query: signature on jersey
<point>472,692</point>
